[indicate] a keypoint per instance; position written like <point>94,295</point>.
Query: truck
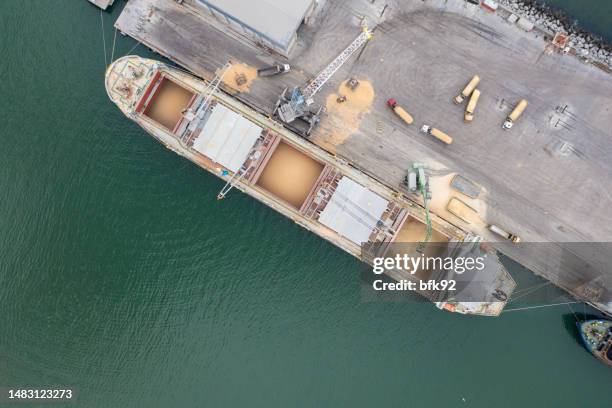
<point>504,234</point>
<point>515,114</point>
<point>437,133</point>
<point>399,111</point>
<point>467,91</point>
<point>273,70</point>
<point>469,110</point>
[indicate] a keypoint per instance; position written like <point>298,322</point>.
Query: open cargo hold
<point>290,174</point>
<point>414,230</point>
<point>411,232</point>
<point>166,103</point>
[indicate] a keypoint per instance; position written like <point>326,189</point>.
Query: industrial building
<point>250,21</point>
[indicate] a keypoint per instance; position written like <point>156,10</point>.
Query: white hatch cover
<point>353,211</point>
<point>227,138</point>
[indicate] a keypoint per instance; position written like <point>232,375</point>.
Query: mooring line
<point>572,310</point>
<point>113,50</point>
<point>527,291</point>
<point>538,307</point>
<point>531,287</point>
<point>103,40</point>
<point>132,49</point>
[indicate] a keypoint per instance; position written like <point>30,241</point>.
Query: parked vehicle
<point>504,234</point>
<point>274,70</point>
<point>352,83</point>
<point>469,110</point>
<point>437,133</point>
<point>399,111</point>
<point>467,91</point>
<point>515,114</point>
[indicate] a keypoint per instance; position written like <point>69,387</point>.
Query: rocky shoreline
<point>587,45</point>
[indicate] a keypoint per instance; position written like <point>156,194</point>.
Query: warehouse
<point>250,20</point>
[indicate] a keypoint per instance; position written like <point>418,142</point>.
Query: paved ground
<point>422,54</point>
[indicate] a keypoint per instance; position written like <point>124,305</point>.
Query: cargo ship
<point>319,191</point>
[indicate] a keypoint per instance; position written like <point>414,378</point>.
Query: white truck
<point>467,91</point>
<point>515,114</point>
<point>437,133</point>
<point>504,234</point>
<point>471,106</point>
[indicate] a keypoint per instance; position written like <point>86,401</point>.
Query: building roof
<point>353,211</point>
<point>276,20</point>
<point>227,138</point>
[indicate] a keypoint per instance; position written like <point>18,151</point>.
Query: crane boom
<point>289,108</point>
<point>313,87</point>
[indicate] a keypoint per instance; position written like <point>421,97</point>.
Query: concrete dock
<point>548,179</point>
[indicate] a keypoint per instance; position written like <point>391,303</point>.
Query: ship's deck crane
<point>296,105</point>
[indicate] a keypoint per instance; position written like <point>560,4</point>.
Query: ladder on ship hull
<point>231,183</point>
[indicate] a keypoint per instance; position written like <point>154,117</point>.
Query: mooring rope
<point>528,291</point>
<point>540,306</point>
<point>572,310</point>
<point>103,40</point>
<point>531,287</point>
<point>113,50</point>
<point>133,48</point>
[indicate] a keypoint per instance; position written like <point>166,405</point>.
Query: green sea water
<point>595,16</point>
<point>123,278</point>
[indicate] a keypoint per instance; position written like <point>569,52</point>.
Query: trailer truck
<point>467,91</point>
<point>504,234</point>
<point>515,114</point>
<point>273,70</point>
<point>471,106</point>
<point>437,133</point>
<point>399,111</point>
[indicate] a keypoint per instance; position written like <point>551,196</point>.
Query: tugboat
<point>597,338</point>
